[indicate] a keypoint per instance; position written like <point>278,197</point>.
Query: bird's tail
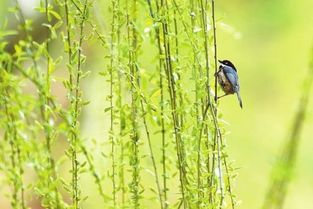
<point>239,99</point>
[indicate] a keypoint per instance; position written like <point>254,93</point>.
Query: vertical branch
<point>206,45</point>
<point>122,127</point>
<point>196,66</point>
<point>164,49</point>
<point>215,51</point>
<point>71,88</point>
<point>122,145</point>
<point>47,45</point>
<point>92,170</point>
<point>162,203</point>
<point>217,135</point>
<point>209,104</point>
<point>76,110</point>
<point>71,98</point>
<point>15,199</point>
<point>229,189</point>
<point>15,155</point>
<point>161,66</point>
<point>69,45</point>
<point>43,87</point>
<point>113,67</point>
<point>179,89</point>
<point>163,138</point>
<point>152,155</point>
<point>197,76</point>
<point>173,99</point>
<point>132,63</point>
<point>119,103</point>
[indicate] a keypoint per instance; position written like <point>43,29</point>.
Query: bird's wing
<point>232,77</point>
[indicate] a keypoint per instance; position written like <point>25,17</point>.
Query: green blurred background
<point>272,56</point>
<point>269,41</point>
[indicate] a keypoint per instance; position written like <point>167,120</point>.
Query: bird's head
<point>227,63</point>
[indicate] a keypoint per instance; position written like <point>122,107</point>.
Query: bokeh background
<point>269,41</point>
<point>272,55</point>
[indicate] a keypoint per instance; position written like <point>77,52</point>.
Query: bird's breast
<point>224,82</point>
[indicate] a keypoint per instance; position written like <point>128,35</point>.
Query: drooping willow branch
<point>281,172</point>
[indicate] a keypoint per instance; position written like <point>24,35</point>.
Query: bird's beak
<point>220,61</point>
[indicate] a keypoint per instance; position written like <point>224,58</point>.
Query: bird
<point>228,79</point>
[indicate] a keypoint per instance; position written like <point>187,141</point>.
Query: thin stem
<point>215,50</point>
<point>161,66</point>
<point>172,92</point>
<point>93,172</point>
<point>205,43</point>
<point>132,59</point>
<point>163,140</point>
<point>15,156</point>
<point>113,68</point>
<point>152,155</point>
<point>215,110</point>
<point>122,121</point>
<point>77,98</point>
<point>47,46</point>
<point>69,43</point>
<point>186,27</point>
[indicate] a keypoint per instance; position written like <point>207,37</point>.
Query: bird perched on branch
<point>228,79</point>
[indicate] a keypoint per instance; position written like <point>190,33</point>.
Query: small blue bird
<point>228,79</point>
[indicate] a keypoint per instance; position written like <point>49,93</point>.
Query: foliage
<point>164,145</point>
